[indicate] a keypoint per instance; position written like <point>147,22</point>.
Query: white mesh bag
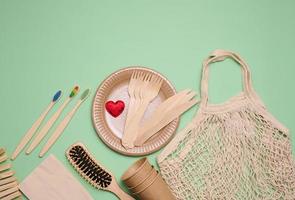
<point>234,150</point>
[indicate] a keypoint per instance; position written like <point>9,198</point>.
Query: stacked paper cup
<point>146,182</point>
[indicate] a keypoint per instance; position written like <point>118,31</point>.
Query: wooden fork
<point>131,90</point>
<point>134,90</point>
<point>149,89</point>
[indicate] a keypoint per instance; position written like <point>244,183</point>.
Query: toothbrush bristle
<point>74,91</point>
<point>85,94</point>
<point>56,96</point>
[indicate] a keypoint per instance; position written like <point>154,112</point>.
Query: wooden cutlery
<point>150,129</point>
<point>135,80</point>
<point>143,88</point>
<point>170,109</point>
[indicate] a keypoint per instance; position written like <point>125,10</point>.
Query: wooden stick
<point>12,196</point>
<point>6,174</point>
<point>2,151</point>
<point>7,186</point>
<point>5,167</point>
<point>47,126</point>
<point>7,180</point>
<point>3,158</point>
<point>27,137</point>
<point>8,191</point>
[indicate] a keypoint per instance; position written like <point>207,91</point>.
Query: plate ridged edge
<point>109,138</point>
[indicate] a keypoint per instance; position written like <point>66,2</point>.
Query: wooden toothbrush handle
<point>42,133</point>
<point>115,188</point>
<point>58,131</point>
<point>31,132</point>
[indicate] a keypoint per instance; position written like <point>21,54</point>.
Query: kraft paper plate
<point>110,129</point>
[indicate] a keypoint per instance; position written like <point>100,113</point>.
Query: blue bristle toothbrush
<point>51,121</point>
<point>35,126</point>
<point>60,128</point>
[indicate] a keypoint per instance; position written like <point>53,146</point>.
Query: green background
<point>47,45</point>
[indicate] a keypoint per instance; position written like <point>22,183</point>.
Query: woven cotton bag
<point>234,150</point>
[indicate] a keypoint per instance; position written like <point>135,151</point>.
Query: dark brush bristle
<point>89,167</point>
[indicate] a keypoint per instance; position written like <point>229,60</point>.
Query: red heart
<point>115,108</point>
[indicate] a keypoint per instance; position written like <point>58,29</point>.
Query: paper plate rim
<point>109,138</point>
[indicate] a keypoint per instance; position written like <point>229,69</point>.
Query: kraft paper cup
<point>137,173</point>
<point>140,179</point>
<point>146,183</point>
<point>158,189</point>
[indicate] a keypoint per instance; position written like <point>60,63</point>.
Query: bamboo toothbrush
<point>35,126</point>
<point>51,121</point>
<point>64,123</point>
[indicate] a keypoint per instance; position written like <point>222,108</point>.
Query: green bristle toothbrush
<point>64,123</point>
<point>27,137</point>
